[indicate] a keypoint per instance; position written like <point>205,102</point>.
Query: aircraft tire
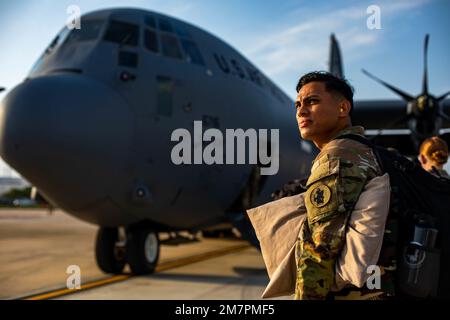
<point>142,249</point>
<point>105,251</point>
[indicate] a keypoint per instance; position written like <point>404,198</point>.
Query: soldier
<point>433,155</point>
<point>338,175</point>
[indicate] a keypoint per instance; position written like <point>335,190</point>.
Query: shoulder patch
<point>320,196</point>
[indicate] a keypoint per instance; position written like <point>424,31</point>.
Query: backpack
<point>420,207</point>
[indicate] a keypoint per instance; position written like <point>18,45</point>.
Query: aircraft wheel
<point>108,258</point>
<point>142,249</point>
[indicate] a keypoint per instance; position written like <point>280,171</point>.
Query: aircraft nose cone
<point>67,134</point>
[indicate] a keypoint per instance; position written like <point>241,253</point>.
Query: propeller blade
<point>401,93</point>
<point>425,66</point>
<point>443,96</point>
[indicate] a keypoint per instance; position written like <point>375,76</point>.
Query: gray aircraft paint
<point>91,142</point>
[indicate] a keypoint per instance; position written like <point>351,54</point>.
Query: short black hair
<point>332,83</point>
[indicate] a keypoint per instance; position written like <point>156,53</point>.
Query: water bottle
<point>419,270</point>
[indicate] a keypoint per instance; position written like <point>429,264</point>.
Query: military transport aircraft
<point>91,128</point>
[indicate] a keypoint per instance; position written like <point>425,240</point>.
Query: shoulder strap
<point>367,142</point>
<point>358,138</point>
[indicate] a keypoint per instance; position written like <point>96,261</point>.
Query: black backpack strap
<point>367,142</point>
<point>358,138</point>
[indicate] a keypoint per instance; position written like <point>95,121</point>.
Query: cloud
<point>304,45</point>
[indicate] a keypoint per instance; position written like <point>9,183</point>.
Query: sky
<point>283,38</point>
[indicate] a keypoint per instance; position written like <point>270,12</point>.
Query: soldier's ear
<point>422,159</point>
<point>344,108</point>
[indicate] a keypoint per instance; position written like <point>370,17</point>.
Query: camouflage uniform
<point>338,176</point>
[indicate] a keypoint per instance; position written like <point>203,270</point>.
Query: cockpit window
<point>164,25</point>
<point>122,32</point>
<point>150,22</point>
<point>150,40</point>
<point>60,38</point>
<point>171,39</point>
<point>89,30</point>
<point>170,46</point>
<point>181,31</point>
<point>53,44</point>
<point>57,40</point>
<point>193,55</point>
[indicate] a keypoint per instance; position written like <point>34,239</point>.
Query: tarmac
<point>36,248</point>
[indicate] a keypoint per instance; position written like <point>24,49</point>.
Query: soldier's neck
<point>321,143</point>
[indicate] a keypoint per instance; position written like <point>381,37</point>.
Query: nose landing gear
<point>108,253</point>
<point>140,249</point>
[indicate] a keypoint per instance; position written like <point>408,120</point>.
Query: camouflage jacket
<point>338,176</point>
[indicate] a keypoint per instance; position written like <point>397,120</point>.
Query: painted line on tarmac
<point>122,277</point>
